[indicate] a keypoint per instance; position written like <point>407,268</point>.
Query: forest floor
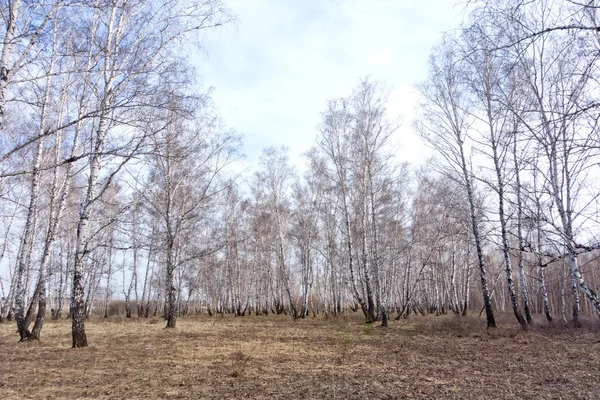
<point>274,357</point>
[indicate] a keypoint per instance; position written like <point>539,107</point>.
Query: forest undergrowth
<point>331,358</point>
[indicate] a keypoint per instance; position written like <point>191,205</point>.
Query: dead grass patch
<point>266,357</point>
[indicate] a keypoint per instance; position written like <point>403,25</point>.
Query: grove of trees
<point>117,184</point>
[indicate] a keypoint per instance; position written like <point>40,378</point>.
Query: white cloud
<point>274,72</point>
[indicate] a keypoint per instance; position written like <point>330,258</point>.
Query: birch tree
<point>22,319</point>
<point>557,73</point>
<point>334,132</point>
<point>308,197</point>
<point>355,138</point>
<point>488,83</point>
<point>277,177</point>
<point>445,124</point>
<point>187,172</point>
<point>372,132</point>
<point>132,42</point>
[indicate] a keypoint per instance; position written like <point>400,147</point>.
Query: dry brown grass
<point>274,357</point>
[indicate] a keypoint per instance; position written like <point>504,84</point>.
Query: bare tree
<point>445,123</point>
<point>559,83</point>
<point>187,164</point>
<point>277,177</point>
<point>334,133</point>
<point>488,83</point>
<point>130,43</point>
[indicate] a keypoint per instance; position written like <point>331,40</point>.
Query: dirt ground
<point>273,357</point>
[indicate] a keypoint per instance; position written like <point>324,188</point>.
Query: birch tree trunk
<point>58,195</point>
<point>56,211</point>
<point>8,46</point>
<point>8,304</point>
<point>505,245</point>
<point>538,256</point>
<point>27,242</point>
<point>171,290</point>
<point>381,307</point>
<point>521,239</point>
<point>501,215</point>
<point>366,270</point>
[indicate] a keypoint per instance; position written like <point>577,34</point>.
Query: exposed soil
<point>274,357</point>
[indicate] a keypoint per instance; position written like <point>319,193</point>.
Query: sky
<point>274,70</point>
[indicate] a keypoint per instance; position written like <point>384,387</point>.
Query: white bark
<point>8,46</point>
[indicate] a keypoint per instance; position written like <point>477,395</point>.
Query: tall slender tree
<point>445,123</point>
